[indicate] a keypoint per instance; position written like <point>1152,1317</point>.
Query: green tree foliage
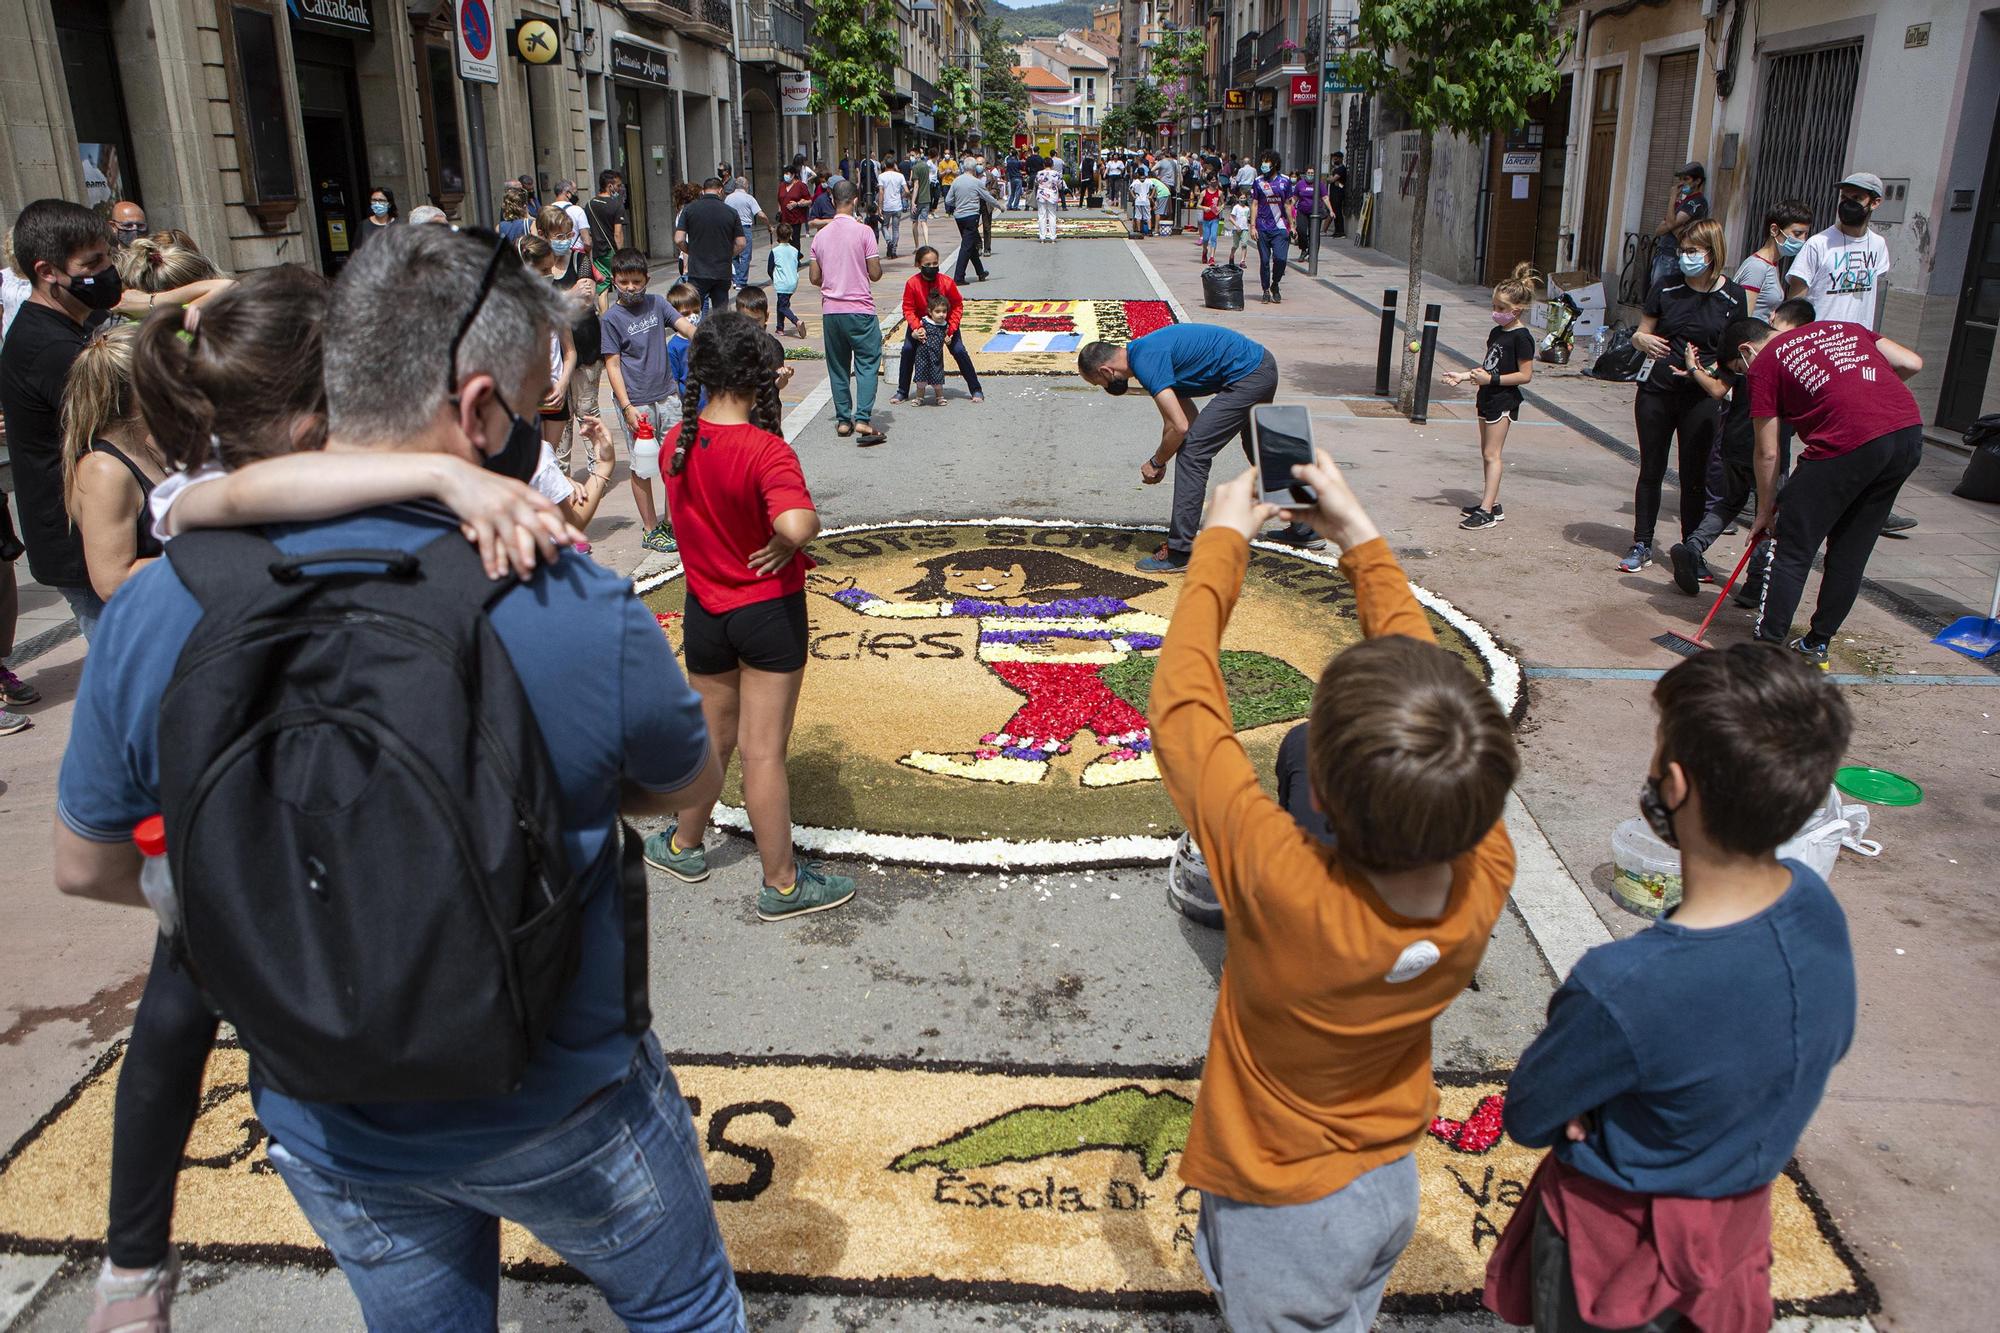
<point>1146,104</point>
<point>1115,130</point>
<point>957,108</point>
<point>854,55</point>
<point>1179,62</point>
<point>1467,67</point>
<point>1003,104</point>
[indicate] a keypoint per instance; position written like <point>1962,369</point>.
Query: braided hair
<point>730,354</point>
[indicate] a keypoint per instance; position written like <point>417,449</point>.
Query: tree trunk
<point>1413,309</point>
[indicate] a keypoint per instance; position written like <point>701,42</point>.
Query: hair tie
<point>190,324</point>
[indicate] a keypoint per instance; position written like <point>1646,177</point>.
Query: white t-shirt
<point>1246,175</point>
<point>581,221</point>
<point>1114,167</point>
<point>1842,274</point>
<point>892,187</point>
<point>745,205</point>
<point>1239,216</point>
<point>550,479</point>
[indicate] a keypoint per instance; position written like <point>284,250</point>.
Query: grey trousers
<point>1309,1267</point>
<point>1226,416</point>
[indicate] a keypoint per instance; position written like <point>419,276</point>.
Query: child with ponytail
<point>110,465</point>
<point>232,394</point>
<point>743,515</point>
<point>1509,363</point>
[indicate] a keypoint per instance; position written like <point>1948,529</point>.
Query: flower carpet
<point>1069,226</point>
<point>1037,337</point>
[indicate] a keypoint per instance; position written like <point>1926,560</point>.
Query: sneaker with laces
<point>1161,562</point>
<point>1477,519</point>
<point>14,690</point>
<point>138,1303</point>
<point>1814,653</point>
<point>1690,569</point>
<point>13,722</point>
<point>689,865</point>
<point>1299,536</point>
<point>661,539</point>
<point>1637,558</point>
<point>815,890</point>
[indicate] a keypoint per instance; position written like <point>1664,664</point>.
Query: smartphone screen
<point>1282,437</point>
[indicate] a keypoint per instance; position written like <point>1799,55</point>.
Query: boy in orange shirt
<point>1318,1082</point>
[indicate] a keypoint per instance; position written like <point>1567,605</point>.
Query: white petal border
<point>1503,674</point>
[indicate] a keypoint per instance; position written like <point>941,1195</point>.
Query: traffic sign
<point>478,62</point>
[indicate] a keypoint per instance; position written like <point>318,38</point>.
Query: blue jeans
<point>86,606</point>
<point>742,274</point>
<point>1016,191</point>
<point>1211,233</point>
<point>1273,248</point>
<point>618,1190</point>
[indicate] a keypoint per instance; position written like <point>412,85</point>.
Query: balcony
<point>774,34</point>
<point>1273,49</point>
<point>707,20</point>
<point>1246,59</point>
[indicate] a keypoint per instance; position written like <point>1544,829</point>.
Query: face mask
<point>1853,212</point>
<point>1265,168</point>
<point>1791,245</point>
<point>930,272</point>
<point>1694,265</point>
<point>562,245</point>
<point>626,298</point>
<point>99,290</point>
<point>522,453</point>
<point>1658,817</point>
<point>379,207</point>
<point>1503,317</point>
<point>1116,388</point>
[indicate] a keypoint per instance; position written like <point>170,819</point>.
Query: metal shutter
<point>1801,133</point>
<point>1667,144</point>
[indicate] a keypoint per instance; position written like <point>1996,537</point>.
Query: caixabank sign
<point>343,18</point>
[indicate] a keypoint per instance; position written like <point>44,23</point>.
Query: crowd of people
<point>343,425</point>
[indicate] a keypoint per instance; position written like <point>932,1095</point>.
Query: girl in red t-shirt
<point>743,516</point>
<point>1211,219</point>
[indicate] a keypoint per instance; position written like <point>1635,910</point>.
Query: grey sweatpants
<point>1226,416</point>
<point>1312,1266</point>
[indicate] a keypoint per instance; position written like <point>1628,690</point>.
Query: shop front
<point>644,139</point>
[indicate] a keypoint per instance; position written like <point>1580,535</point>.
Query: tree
<point>1467,67</point>
<point>1146,105</point>
<point>1003,104</point>
<point>854,54</point>
<point>956,109</point>
<point>1180,60</point>
<point>1115,129</point>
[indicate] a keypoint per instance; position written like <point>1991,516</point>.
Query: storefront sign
<point>478,60</point>
<point>343,18</point>
<point>1267,100</point>
<point>1236,99</point>
<point>795,92</point>
<point>1305,90</point>
<point>535,41</point>
<point>1525,164</point>
<point>638,64</point>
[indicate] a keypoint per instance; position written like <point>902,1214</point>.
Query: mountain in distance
<point>1022,21</point>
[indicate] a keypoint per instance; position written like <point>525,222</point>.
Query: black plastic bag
<point>1222,287</point>
<point>1620,360</point>
<point>1982,473</point>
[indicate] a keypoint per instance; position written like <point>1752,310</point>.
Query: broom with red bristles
<point>1675,642</point>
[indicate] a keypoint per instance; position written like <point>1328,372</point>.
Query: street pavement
<point>956,965</point>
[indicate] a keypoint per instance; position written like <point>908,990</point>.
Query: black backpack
<point>363,826</point>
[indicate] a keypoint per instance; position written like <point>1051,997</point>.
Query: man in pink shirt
<point>845,261</point>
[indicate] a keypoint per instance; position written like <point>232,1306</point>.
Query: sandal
<point>843,428</point>
<point>868,435</point>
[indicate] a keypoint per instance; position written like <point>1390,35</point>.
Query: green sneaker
<point>660,539</point>
<point>815,891</point>
<point>687,864</point>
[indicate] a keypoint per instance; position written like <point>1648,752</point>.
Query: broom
<point>1675,642</point>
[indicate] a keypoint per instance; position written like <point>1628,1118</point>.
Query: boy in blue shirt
<point>683,297</point>
<point>1680,1066</point>
<point>781,265</point>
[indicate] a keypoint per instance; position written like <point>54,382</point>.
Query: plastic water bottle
<point>1597,343</point>
<point>645,449</point>
<point>156,880</point>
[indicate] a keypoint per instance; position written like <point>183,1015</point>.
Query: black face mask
<point>98,291</point>
<point>1658,817</point>
<point>1116,388</point>
<point>522,454</point>
<point>1853,212</point>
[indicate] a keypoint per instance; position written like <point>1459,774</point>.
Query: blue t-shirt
<point>783,266</point>
<point>677,365</point>
<point>1197,359</point>
<point>637,336</point>
<point>641,723</point>
<point>1701,1054</point>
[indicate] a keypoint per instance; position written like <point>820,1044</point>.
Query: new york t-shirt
<point>1842,274</point>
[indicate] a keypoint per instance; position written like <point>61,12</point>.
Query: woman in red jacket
<point>916,300</point>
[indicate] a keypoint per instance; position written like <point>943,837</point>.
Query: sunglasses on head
<point>501,247</point>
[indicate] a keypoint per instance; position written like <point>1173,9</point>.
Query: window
<point>441,136</point>
<point>96,104</point>
<point>260,110</point>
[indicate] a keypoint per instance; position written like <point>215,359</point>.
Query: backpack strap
<point>450,567</point>
<point>633,901</point>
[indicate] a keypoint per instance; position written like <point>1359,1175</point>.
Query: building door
<point>330,121</point>
<point>632,166</point>
<point>1667,142</point>
<point>1801,132</point>
<point>1971,358</point>
<point>1597,175</point>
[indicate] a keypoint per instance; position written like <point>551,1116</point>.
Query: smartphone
<point>1280,437</point>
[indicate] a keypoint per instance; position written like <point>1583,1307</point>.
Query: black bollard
<point>1420,412</point>
<point>1388,347</point>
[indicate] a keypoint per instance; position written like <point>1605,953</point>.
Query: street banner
<point>795,93</point>
<point>478,59</point>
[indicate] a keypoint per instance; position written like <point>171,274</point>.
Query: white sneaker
<point>138,1303</point>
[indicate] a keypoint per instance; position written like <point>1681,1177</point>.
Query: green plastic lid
<point>1878,785</point>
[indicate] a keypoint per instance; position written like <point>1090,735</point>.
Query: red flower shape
<point>1477,1133</point>
<point>664,617</point>
<point>1142,317</point>
<point>1038,324</point>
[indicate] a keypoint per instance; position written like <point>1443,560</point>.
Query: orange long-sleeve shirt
<point>1319,1063</point>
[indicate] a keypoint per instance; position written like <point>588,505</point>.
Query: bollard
<point>1388,343</point>
<point>1420,409</point>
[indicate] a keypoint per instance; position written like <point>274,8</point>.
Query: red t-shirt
<point>1211,205</point>
<point>737,480</point>
<point>1828,380</point>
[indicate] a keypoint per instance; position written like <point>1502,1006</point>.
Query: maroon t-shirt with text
<point>1836,389</point>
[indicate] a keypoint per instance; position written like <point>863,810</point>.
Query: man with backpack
<point>393,829</point>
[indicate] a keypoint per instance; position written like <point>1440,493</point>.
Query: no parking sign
<point>478,62</point>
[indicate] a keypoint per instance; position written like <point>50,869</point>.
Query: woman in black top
<point>1690,307</point>
<point>109,463</point>
<point>381,213</point>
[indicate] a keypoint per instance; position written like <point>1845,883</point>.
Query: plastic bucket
<point>1647,875</point>
<point>1189,891</point>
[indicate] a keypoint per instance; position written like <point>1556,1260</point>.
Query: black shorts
<point>764,636</point>
<point>1498,406</point>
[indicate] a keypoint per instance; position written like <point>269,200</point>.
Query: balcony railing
<point>1271,48</point>
<point>772,31</point>
<point>1246,58</point>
